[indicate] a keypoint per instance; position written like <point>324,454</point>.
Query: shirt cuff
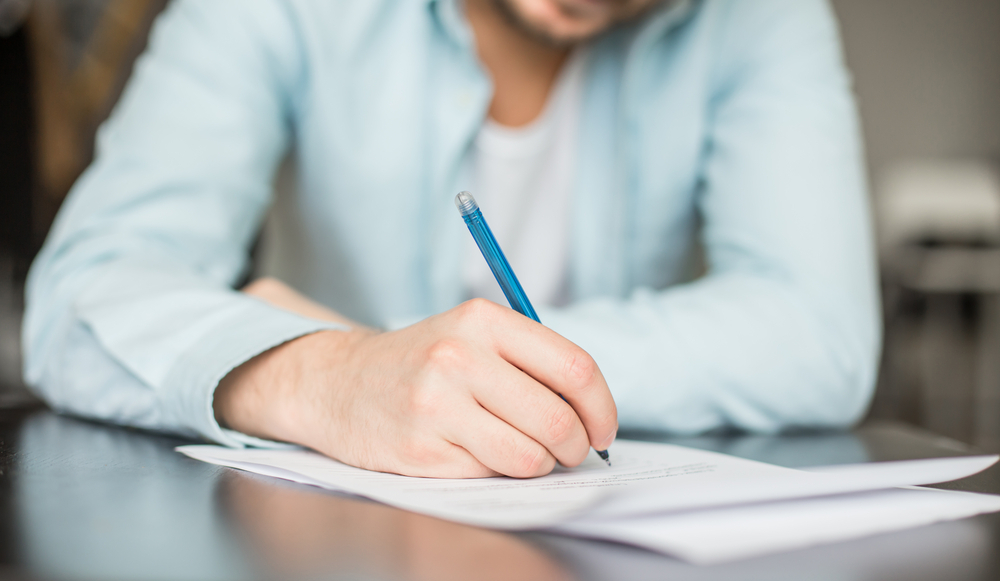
<point>189,389</point>
<point>242,440</point>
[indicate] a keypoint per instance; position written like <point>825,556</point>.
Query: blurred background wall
<point>927,76</point>
<point>928,83</point>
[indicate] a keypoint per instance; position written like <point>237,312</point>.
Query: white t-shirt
<point>523,179</point>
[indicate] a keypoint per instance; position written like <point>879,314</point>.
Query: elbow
<point>859,379</point>
<point>818,376</point>
<point>843,377</point>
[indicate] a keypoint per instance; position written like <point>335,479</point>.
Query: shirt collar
<point>664,17</point>
<point>448,15</point>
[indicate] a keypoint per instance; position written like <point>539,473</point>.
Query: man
<point>613,136</point>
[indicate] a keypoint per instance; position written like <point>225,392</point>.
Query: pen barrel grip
<point>495,258</point>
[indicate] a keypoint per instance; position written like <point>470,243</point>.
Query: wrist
<point>268,395</point>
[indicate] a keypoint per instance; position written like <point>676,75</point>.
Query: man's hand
<point>471,392</point>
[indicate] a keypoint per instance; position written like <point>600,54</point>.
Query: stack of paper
<point>701,506</point>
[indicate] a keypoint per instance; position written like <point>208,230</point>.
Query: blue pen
<point>504,274</point>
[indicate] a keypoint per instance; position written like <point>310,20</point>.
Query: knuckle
<point>475,310</point>
<point>531,461</point>
<point>561,423</point>
<point>579,369</point>
<point>610,421</point>
<point>607,424</point>
<point>445,352</point>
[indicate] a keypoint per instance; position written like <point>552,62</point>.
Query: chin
<point>565,21</point>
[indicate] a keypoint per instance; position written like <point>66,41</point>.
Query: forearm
<point>143,346</point>
<point>784,328</point>
<point>740,351</point>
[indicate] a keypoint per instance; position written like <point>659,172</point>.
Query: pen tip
<point>604,456</point>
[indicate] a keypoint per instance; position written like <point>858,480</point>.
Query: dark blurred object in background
<point>82,54</point>
<point>16,179</point>
<point>63,64</point>
<point>16,129</point>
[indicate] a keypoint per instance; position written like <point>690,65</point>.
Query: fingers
<point>555,362</point>
<point>519,400</point>
<point>439,459</point>
<point>498,445</point>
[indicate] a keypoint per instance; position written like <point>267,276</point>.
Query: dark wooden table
<point>81,500</point>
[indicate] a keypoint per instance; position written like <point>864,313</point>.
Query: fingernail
<point>607,443</point>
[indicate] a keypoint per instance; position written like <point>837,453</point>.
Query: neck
<point>523,68</point>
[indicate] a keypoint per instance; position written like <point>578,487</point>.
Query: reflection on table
<point>81,500</point>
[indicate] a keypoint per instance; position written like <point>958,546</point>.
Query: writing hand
<point>471,392</point>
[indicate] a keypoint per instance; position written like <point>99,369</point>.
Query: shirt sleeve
<point>131,316</point>
<point>784,329</point>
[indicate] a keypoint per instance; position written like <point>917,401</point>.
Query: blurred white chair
<point>938,225</point>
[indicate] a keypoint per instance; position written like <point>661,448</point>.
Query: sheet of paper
<point>767,485</point>
<point>646,478</point>
<point>735,532</point>
<point>507,503</point>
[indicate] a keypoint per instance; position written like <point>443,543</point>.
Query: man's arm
<point>132,318</point>
<point>784,328</point>
<point>130,312</point>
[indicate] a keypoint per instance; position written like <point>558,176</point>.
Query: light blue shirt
<point>724,128</point>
